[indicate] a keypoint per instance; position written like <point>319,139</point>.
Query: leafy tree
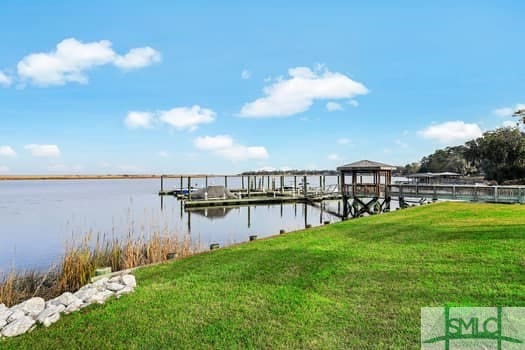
<point>448,159</point>
<point>500,154</point>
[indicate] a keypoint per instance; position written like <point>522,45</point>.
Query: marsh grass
<point>82,257</point>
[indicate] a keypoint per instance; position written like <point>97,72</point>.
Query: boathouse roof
<point>366,165</point>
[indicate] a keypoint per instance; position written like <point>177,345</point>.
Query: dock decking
<point>240,201</point>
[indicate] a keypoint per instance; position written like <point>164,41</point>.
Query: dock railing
<point>498,194</point>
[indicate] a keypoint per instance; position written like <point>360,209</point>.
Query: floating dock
<point>240,201</point>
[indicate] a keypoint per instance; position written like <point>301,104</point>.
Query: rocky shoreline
<point>23,317</point>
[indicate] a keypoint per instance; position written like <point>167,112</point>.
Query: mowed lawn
<point>357,284</point>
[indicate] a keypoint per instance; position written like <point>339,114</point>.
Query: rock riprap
<point>22,317</point>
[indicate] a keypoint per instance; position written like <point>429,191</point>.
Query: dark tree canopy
<point>498,155</point>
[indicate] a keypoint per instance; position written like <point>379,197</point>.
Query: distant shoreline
<point>75,177</point>
<point>129,176</point>
<point>95,177</point>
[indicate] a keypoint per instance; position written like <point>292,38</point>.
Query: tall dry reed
<point>82,258</point>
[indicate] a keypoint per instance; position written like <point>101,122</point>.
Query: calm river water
<point>38,217</point>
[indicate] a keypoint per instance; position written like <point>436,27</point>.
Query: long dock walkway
<point>472,193</point>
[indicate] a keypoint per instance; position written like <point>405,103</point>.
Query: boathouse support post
<point>282,183</point>
<point>305,186</point>
<point>181,184</point>
<point>249,187</point>
<point>226,182</point>
<point>344,192</point>
<point>294,185</point>
<point>255,183</point>
<point>268,184</point>
<point>162,183</point>
<point>206,183</point>
<point>242,182</point>
<point>189,188</point>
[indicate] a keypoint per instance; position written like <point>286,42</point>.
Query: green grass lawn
<point>358,284</point>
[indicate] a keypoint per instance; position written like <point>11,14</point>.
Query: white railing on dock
<point>499,194</point>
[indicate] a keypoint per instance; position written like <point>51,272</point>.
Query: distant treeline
<point>498,155</point>
<point>291,172</point>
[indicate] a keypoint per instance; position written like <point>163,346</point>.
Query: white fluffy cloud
<point>225,146</point>
<point>43,150</point>
<point>181,118</point>
<point>453,131</point>
<point>508,111</point>
<point>4,169</point>
<point>343,141</point>
<point>5,80</point>
<point>246,74</point>
<point>188,118</point>
<point>7,151</point>
<point>136,120</point>
<point>333,106</point>
<point>72,58</point>
<point>296,94</point>
<point>138,58</point>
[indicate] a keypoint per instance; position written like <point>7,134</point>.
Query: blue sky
<point>121,87</point>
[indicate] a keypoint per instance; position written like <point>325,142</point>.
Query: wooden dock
<point>272,190</point>
<point>240,201</point>
<point>472,193</point>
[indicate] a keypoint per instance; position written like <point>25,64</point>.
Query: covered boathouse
<point>365,187</point>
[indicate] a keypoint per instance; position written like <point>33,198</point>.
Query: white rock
<point>48,321</point>
<point>74,306</point>
<point>16,315</point>
<point>31,307</point>
<point>129,280</point>
<point>50,311</point>
<point>125,290</point>
<point>116,279</point>
<point>85,294</point>
<point>65,299</point>
<point>100,297</point>
<point>113,286</point>
<point>2,323</point>
<point>17,327</point>
<point>100,283</point>
<point>5,313</point>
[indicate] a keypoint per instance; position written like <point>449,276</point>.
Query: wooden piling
<point>305,186</point>
<point>189,188</point>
